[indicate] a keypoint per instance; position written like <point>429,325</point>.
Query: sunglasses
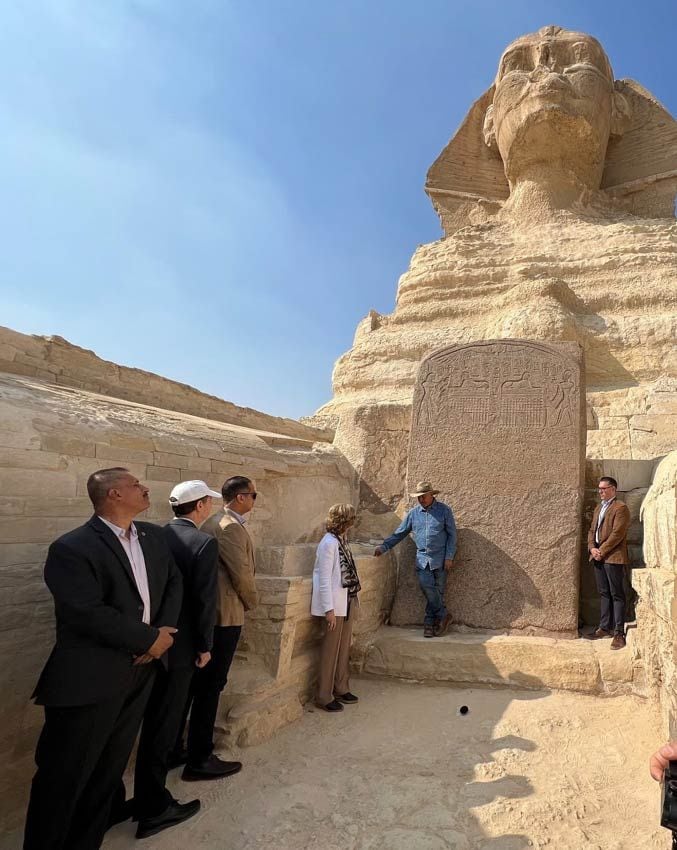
<point>253,495</point>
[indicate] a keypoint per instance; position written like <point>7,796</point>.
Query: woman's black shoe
<point>347,697</point>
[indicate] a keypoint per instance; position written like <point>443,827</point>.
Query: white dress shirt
<point>603,509</point>
<point>137,562</point>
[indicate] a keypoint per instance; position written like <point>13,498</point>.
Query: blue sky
<point>219,191</point>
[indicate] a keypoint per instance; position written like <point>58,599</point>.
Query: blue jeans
<point>433,584</point>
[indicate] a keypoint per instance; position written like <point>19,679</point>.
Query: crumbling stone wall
<point>657,588</point>
<point>55,360</point>
<point>51,438</point>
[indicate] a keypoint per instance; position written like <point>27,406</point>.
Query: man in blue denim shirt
<point>434,530</point>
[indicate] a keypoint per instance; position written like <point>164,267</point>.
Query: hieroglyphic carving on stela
<point>496,384</point>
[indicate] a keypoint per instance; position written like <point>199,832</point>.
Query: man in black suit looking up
<point>117,596</point>
<point>196,556</point>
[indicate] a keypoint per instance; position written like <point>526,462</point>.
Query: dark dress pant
<point>205,690</point>
<point>610,579</point>
<point>161,723</point>
<point>81,755</point>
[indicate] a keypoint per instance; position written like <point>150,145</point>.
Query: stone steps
<point>533,663</point>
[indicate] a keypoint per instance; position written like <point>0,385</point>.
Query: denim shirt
<point>434,532</point>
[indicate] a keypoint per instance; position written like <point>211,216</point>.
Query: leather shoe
<point>347,697</point>
<point>598,634</point>
<point>177,758</point>
<point>428,631</point>
<point>211,768</point>
<point>334,705</point>
<point>120,813</point>
<point>443,625</point>
<point>174,813</point>
<point>618,642</point>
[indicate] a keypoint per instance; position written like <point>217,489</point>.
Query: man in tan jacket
<point>608,550</point>
<point>236,594</point>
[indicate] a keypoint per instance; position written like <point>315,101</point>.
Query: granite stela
<point>499,427</point>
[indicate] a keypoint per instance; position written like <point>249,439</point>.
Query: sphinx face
<point>553,105</point>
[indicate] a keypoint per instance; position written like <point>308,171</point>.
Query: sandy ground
<point>402,770</point>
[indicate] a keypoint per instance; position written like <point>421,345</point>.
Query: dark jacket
<point>196,555</point>
<point>98,609</point>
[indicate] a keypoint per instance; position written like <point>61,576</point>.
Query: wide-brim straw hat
<point>424,487</point>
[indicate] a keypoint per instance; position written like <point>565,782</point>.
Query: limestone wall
<point>55,360</point>
<point>51,438</point>
<point>656,586</point>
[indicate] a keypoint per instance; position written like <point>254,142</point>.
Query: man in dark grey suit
<point>117,596</point>
<point>196,556</point>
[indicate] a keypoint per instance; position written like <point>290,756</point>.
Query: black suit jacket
<point>196,555</point>
<point>98,609</point>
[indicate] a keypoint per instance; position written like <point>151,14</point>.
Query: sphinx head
<point>554,108</point>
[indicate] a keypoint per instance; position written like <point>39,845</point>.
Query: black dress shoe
<point>211,768</point>
<point>120,813</point>
<point>174,813</point>
<point>334,705</point>
<point>347,697</point>
<point>177,758</point>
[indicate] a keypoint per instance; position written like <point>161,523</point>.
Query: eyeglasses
<point>253,495</point>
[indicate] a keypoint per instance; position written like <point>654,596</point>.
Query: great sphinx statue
<point>556,198</point>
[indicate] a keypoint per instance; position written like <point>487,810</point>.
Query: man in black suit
<point>196,556</point>
<point>117,596</point>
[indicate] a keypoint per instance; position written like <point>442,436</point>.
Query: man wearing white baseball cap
<point>196,556</point>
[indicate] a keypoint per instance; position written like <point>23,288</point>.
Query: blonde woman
<point>335,589</point>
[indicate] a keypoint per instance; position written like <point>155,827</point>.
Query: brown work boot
<point>443,625</point>
<point>618,642</point>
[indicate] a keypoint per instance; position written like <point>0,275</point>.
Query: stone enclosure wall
<point>52,436</point>
<point>657,590</point>
<point>55,360</point>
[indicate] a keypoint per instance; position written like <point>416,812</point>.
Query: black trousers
<point>205,690</point>
<point>610,580</point>
<point>81,755</point>
<point>161,723</point>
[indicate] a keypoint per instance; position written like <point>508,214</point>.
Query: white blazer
<point>328,594</point>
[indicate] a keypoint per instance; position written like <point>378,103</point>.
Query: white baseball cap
<point>191,491</point>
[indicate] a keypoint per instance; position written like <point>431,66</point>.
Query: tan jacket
<point>612,533</point>
<point>236,583</point>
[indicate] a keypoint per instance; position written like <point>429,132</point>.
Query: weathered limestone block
<point>375,439</point>
<point>499,427</point>
<point>295,560</point>
<point>657,589</point>
<point>253,721</point>
<point>657,638</point>
<point>193,463</point>
<point>54,358</point>
<point>378,578</point>
<point>659,515</point>
<point>532,663</point>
